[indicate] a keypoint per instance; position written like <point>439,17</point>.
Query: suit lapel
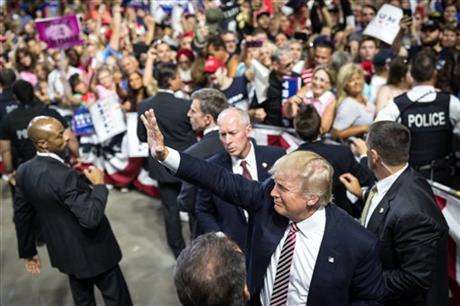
<point>328,258</point>
<point>262,172</point>
<point>379,213</point>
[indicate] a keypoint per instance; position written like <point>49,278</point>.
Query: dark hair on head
<point>398,70</point>
<point>391,140</point>
<point>211,272</point>
<point>212,101</point>
<point>423,66</point>
<point>368,38</point>
<point>164,73</point>
<point>7,77</point>
<point>373,8</point>
<point>324,44</point>
<point>22,52</point>
<point>74,80</point>
<point>24,91</point>
<point>217,42</point>
<point>307,123</point>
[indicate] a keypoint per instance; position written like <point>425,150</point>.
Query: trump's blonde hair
<point>313,170</point>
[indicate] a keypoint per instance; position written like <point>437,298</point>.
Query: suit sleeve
<point>187,197</point>
<point>416,240</point>
<point>206,212</point>
<point>230,187</point>
<point>24,220</point>
<point>141,131</point>
<point>86,204</point>
<point>367,286</point>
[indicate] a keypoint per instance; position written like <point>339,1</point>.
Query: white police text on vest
<point>426,120</point>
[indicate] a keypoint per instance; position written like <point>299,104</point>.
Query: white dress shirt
<point>308,242</point>
<point>382,188</point>
<point>210,129</point>
<point>52,155</point>
<point>422,93</point>
<point>251,164</point>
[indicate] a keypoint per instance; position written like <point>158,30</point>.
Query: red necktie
<point>246,173</point>
<point>283,269</point>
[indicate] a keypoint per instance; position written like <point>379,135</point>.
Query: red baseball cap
<point>212,64</point>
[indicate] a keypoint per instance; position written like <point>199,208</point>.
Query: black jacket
<point>209,145</point>
<point>171,113</point>
<point>413,243</point>
<point>77,233</point>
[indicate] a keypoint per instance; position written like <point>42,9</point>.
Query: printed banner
<point>385,25</point>
<point>108,118</point>
<point>59,32</point>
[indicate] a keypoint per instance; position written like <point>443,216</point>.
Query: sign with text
<point>385,25</point>
<point>59,32</point>
<point>108,118</point>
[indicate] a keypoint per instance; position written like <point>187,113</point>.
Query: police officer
<point>15,146</point>
<point>431,116</point>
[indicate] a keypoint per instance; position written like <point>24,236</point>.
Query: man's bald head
<point>44,129</point>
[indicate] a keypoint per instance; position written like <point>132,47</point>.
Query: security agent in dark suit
<point>207,103</point>
<point>304,249</point>
<point>70,207</point>
<point>173,122</point>
<point>307,124</point>
<point>401,210</point>
<point>243,157</point>
<point>211,271</point>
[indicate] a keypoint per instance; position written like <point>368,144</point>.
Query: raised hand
<point>155,138</point>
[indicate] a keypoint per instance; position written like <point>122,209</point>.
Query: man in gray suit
<point>206,105</point>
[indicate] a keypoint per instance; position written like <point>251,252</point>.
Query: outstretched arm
<point>230,187</point>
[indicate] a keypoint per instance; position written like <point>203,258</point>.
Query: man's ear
<point>208,119</point>
<point>42,145</point>
<point>246,294</point>
<point>312,200</point>
<point>375,156</point>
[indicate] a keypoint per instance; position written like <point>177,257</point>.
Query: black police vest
<point>430,127</point>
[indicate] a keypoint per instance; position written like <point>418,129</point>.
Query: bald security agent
<point>70,207</point>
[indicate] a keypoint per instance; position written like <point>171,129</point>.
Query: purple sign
<point>59,32</point>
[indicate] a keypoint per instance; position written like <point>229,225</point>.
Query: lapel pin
<point>264,165</point>
<point>331,259</point>
<point>381,210</point>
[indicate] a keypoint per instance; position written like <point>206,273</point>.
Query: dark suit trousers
<point>168,195</point>
<point>111,284</point>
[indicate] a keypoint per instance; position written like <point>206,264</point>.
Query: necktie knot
<point>294,227</point>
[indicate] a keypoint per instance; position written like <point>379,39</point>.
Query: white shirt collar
<point>384,185</point>
<point>210,129</point>
<point>422,93</point>
<point>315,223</point>
<point>250,158</point>
<point>52,155</point>
<point>165,91</point>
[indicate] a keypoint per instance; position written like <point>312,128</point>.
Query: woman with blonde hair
<point>318,94</point>
<point>354,113</point>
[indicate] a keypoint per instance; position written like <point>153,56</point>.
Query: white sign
<point>135,147</point>
<point>108,118</point>
<point>261,75</point>
<point>385,25</point>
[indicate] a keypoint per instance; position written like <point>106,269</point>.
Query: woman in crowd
<point>398,82</point>
<point>354,113</point>
<point>25,64</point>
<point>319,94</point>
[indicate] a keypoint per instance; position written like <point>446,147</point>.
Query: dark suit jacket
<point>342,160</point>
<point>413,237</point>
<point>171,113</point>
<point>213,214</point>
<point>354,278</point>
<point>209,145</point>
<point>77,233</point>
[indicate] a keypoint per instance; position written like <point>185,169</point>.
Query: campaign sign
<point>59,32</point>
<point>136,148</point>
<point>385,25</point>
<point>291,84</point>
<point>81,122</point>
<point>107,117</point>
